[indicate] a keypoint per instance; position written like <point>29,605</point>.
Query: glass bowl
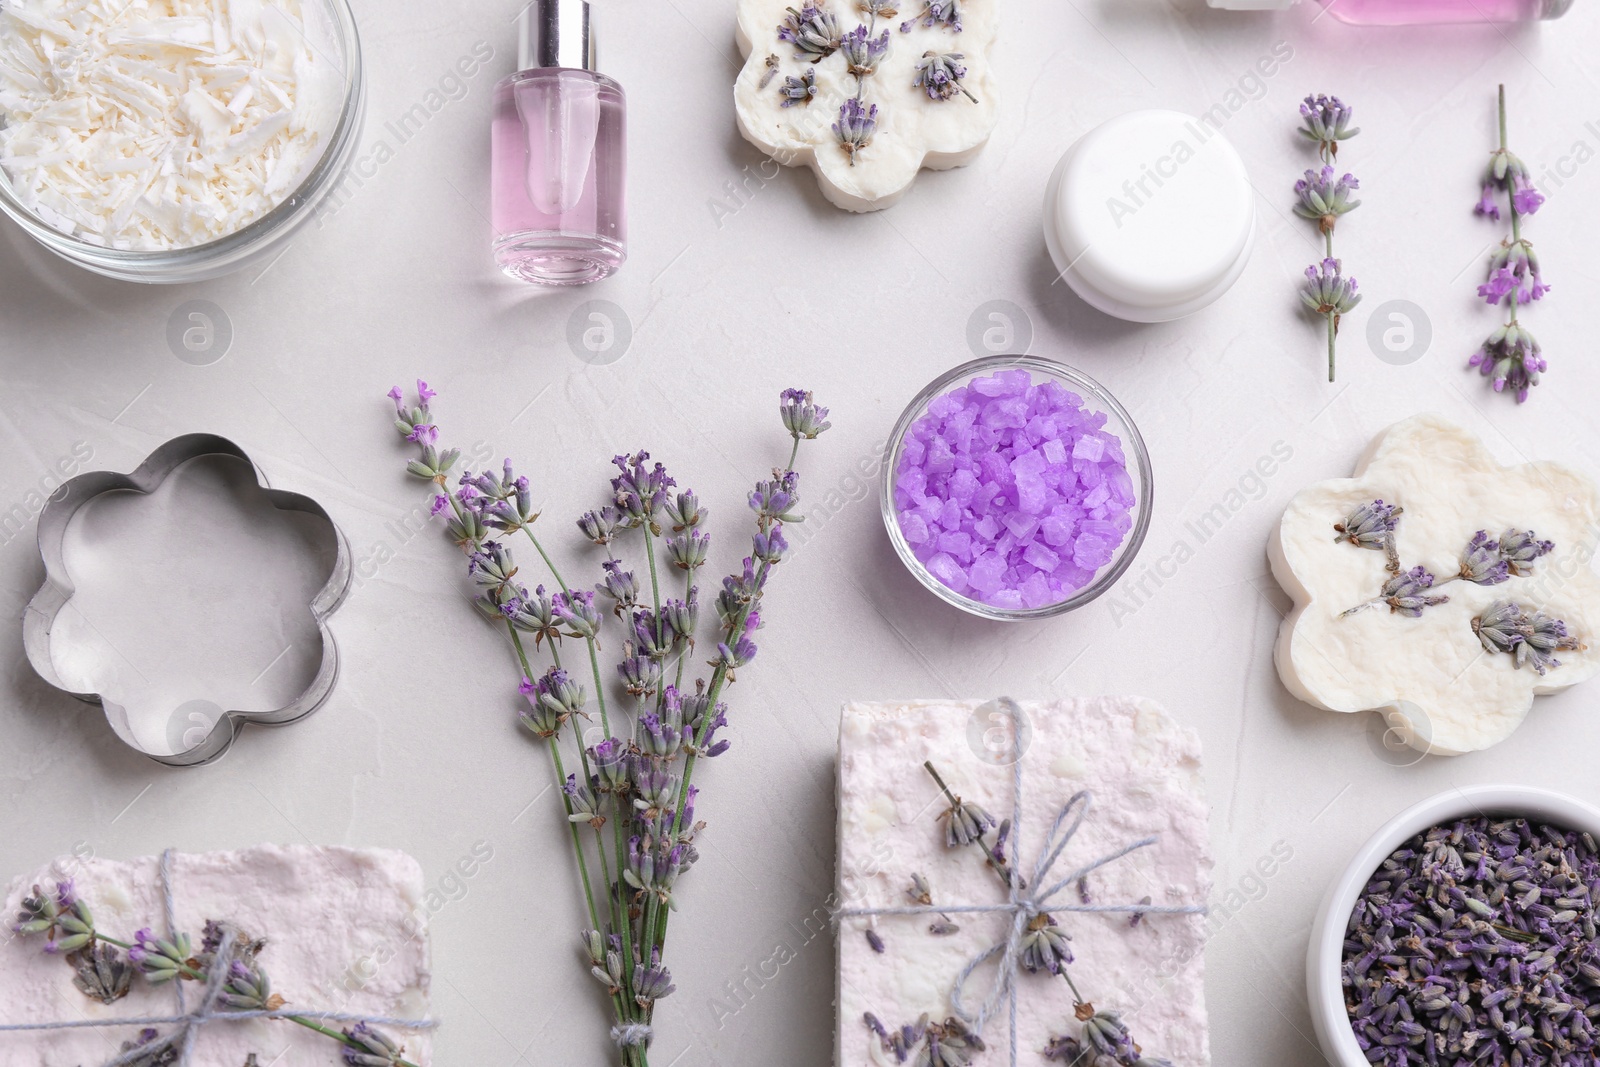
<point>1095,398</point>
<point>335,40</point>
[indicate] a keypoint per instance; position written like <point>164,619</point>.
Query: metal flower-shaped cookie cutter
<point>40,616</point>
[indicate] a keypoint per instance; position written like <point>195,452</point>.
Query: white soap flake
<point>160,124</point>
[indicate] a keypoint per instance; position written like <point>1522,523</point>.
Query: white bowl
<point>1326,952</point>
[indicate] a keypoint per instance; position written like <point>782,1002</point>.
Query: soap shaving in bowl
<point>159,124</point>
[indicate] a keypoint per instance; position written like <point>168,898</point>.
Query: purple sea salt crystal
<point>1012,493</point>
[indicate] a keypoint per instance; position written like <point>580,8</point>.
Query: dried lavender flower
<point>863,52</point>
<point>685,510</point>
<point>1327,122</point>
<point>878,9</point>
<point>1406,594</point>
<point>771,71</point>
<point>813,32</point>
<point>1481,563</point>
<point>248,989</point>
<point>939,75</point>
<point>937,13</point>
<point>1512,357</point>
<point>159,959</point>
<point>855,127</point>
<point>1500,627</point>
<point>153,1049</point>
<point>600,526</point>
<point>949,1044</point>
<point>371,1047</point>
<point>1370,526</point>
<point>652,983</point>
<point>802,416</point>
<point>1519,548</point>
<point>1543,636</point>
<point>1044,946</point>
<point>687,550</point>
<point>102,973</point>
<point>1327,292</point>
<point>920,892</point>
<point>874,941</point>
<point>1104,1032</point>
<point>1322,198</point>
<point>799,89</point>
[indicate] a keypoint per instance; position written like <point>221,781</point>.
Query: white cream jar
<point>1150,216</point>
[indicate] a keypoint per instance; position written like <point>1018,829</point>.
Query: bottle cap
<point>555,33</point>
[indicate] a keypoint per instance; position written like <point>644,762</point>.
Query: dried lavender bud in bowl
<point>1016,488</point>
<point>1464,933</point>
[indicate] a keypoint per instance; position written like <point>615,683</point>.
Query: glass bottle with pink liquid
<point>559,154</point>
<point>1419,12</point>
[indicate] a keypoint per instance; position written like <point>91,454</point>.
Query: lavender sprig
<point>1324,198</point>
<point>1510,356</point>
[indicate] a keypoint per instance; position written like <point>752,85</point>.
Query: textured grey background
<point>726,305</point>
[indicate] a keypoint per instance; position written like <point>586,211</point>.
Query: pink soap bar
<point>1144,772</point>
<point>1012,492</point>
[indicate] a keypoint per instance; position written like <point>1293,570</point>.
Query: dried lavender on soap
<point>630,802</point>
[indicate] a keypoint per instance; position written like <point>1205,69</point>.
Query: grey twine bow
<point>189,1023</point>
<point>1024,904</point>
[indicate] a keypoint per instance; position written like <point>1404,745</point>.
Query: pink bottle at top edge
<point>559,154</point>
<point>1418,12</point>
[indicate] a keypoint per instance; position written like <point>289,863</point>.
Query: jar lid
<point>1150,216</point>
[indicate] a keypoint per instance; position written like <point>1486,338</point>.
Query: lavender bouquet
<point>1510,355</point>
<point>630,803</point>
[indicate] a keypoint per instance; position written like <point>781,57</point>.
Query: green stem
<point>688,646</point>
<point>577,842</point>
<point>599,686</point>
<point>1333,333</point>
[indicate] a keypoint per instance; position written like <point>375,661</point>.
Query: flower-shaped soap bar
<point>867,92</point>
<point>1441,585</point>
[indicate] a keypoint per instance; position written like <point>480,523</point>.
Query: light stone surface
<point>346,931</point>
<point>741,280</point>
<point>1143,773</point>
<point>1447,693</point>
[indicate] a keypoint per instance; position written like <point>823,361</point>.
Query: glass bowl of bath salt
<point>1016,488</point>
<point>177,147</point>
